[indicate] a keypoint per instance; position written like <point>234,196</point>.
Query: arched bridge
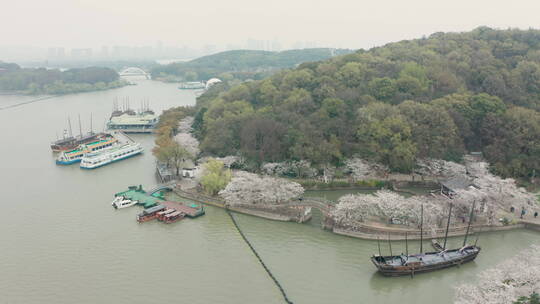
<point>168,186</point>
<point>134,71</point>
<point>325,206</point>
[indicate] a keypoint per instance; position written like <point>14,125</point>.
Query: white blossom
<point>506,282</point>
<point>492,194</point>
<point>249,188</point>
<point>361,169</point>
<point>185,138</point>
<point>387,205</point>
<point>300,168</point>
<point>439,167</point>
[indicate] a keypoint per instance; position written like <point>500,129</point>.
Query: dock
<point>191,210</point>
<point>153,202</point>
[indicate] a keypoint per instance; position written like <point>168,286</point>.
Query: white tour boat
<point>122,202</point>
<point>105,157</point>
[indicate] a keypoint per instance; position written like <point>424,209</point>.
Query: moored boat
<point>412,264</point>
<point>149,214</point>
<point>74,156</point>
<point>71,142</point>
<point>121,202</point>
<point>192,85</point>
<point>114,154</point>
<point>161,214</point>
<point>405,264</point>
<point>173,217</point>
<point>133,122</point>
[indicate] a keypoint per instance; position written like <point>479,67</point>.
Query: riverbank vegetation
<point>515,280</point>
<point>167,150</point>
<point>495,198</point>
<point>55,82</point>
<point>215,176</point>
<point>240,64</point>
<point>249,188</point>
<point>437,97</point>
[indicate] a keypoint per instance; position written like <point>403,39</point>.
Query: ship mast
<point>69,125</point>
<point>447,227</point>
<point>91,132</point>
<point>80,127</point>
<point>406,245</point>
<point>469,225</point>
<point>390,245</point>
<point>421,227</point>
<point>379,245</point>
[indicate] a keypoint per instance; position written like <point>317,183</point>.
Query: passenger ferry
<point>192,85</point>
<point>105,157</point>
<point>74,156</point>
<point>133,122</point>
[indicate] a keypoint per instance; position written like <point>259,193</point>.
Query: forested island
<point>240,64</point>
<point>13,78</point>
<point>437,97</point>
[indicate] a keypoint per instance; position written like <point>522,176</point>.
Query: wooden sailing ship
<point>405,264</point>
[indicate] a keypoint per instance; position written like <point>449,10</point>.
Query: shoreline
<point>365,232</point>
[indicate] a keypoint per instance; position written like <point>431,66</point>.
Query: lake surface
<point>62,242</point>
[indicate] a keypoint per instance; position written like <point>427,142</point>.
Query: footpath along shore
<point>300,212</point>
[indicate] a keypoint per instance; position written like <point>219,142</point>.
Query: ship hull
<point>402,270</point>
<point>68,162</point>
<point>88,167</point>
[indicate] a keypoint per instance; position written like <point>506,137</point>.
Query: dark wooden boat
<point>424,262</point>
<point>405,264</point>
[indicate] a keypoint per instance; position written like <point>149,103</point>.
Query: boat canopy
<point>176,213</point>
<point>154,209</point>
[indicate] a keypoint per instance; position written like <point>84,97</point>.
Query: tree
<point>171,153</point>
<point>249,188</point>
<point>215,177</point>
<point>261,140</point>
<point>515,280</point>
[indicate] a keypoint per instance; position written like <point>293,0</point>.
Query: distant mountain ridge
<point>243,64</point>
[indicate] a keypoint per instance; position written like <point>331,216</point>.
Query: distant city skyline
<point>29,28</point>
<point>146,52</point>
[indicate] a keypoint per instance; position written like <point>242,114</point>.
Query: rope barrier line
<point>27,102</point>
<point>259,258</point>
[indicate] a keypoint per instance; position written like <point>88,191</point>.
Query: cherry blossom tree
<point>439,167</point>
<point>390,206</point>
<point>361,169</point>
<point>491,193</point>
<point>506,282</point>
<point>249,188</point>
<point>185,138</point>
<point>300,168</point>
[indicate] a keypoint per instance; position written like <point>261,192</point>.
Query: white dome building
<point>211,82</point>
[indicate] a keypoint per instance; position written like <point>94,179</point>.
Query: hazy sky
<point>336,23</point>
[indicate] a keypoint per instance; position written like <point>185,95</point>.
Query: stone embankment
<point>369,232</point>
<point>282,213</point>
<point>300,211</point>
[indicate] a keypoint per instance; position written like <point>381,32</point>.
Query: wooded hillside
<point>437,97</point>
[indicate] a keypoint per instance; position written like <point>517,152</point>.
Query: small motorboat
<point>121,202</point>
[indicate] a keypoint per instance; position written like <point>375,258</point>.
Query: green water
<point>62,242</point>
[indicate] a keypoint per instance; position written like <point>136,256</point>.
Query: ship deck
<point>190,209</point>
